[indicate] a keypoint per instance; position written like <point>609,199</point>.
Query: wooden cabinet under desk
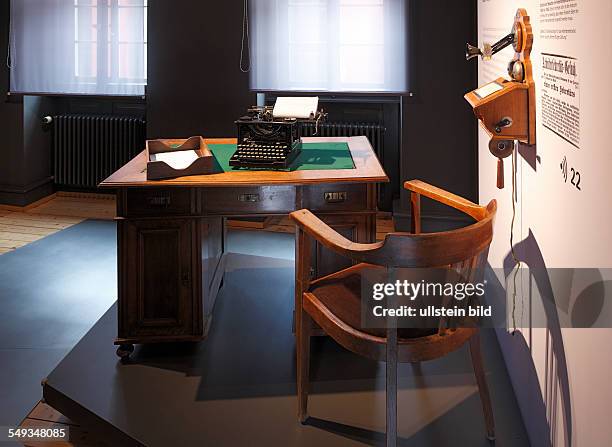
<point>171,236</point>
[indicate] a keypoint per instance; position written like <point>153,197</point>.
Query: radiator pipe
<point>47,119</point>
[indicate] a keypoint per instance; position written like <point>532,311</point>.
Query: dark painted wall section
<point>195,86</point>
<point>439,128</point>
<point>11,114</point>
<point>25,171</point>
<point>37,139</point>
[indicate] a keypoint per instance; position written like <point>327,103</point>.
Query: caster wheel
<point>124,351</point>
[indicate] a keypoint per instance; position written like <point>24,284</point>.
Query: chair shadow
<point>586,310</point>
<point>377,438</point>
<point>357,434</point>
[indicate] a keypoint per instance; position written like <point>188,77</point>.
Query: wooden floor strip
<point>10,236</point>
<point>43,217</point>
<point>43,416</point>
<point>26,229</point>
<point>44,412</point>
<point>21,226</point>
<point>35,224</point>
<point>12,244</point>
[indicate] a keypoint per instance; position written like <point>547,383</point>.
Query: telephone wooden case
<point>509,100</point>
<point>506,107</point>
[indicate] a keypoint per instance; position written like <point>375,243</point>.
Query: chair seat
<point>341,294</point>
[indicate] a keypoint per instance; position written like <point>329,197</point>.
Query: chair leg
<point>391,390</point>
<point>303,364</point>
<point>483,388</point>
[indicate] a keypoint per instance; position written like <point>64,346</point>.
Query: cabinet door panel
<point>159,296</point>
<point>160,276</point>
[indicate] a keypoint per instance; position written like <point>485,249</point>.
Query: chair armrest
<point>439,195</point>
<point>330,238</point>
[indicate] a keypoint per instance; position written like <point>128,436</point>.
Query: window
<point>329,45</point>
<point>79,46</point>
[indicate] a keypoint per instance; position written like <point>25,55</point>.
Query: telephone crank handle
<point>500,173</point>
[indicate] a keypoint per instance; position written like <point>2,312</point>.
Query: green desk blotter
<point>314,156</point>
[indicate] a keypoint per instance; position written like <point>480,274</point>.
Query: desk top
<point>367,170</point>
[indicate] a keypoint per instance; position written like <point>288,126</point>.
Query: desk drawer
<point>143,202</point>
<point>251,200</point>
<point>336,197</point>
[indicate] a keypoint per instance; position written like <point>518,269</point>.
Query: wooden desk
<point>171,234</point>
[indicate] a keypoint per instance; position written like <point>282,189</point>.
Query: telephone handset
<point>506,107</point>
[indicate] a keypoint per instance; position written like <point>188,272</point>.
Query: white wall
<point>561,377</point>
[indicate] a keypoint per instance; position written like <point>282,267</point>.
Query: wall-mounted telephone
<point>506,107</point>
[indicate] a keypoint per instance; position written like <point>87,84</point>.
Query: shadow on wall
<point>517,348</point>
<point>580,310</point>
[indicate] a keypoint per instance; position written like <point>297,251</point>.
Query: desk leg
<point>213,243</point>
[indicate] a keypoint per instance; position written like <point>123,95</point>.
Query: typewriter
<point>270,139</point>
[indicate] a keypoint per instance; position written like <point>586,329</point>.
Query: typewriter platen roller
<point>268,142</point>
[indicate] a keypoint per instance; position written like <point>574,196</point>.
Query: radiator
<point>89,148</point>
<point>374,132</point>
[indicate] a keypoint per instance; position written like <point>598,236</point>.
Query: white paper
<point>295,107</point>
<point>489,89</point>
<point>176,159</point>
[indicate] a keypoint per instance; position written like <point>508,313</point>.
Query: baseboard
<point>30,206</point>
<point>23,196</point>
<point>85,195</point>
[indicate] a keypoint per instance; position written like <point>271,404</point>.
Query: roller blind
<point>328,45</point>
<point>94,47</point>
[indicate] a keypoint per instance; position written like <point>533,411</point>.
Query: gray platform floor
<point>52,292</point>
<point>238,386</point>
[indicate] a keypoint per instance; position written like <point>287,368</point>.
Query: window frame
<point>107,48</point>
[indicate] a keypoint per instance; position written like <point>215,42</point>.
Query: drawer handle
<point>335,197</point>
<point>248,198</point>
<point>186,278</point>
<point>159,201</point>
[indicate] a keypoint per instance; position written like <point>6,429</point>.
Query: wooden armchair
<point>334,301</point>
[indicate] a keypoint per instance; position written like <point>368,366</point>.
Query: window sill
<point>17,97</point>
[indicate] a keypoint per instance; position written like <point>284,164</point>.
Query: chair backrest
<point>463,248</point>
